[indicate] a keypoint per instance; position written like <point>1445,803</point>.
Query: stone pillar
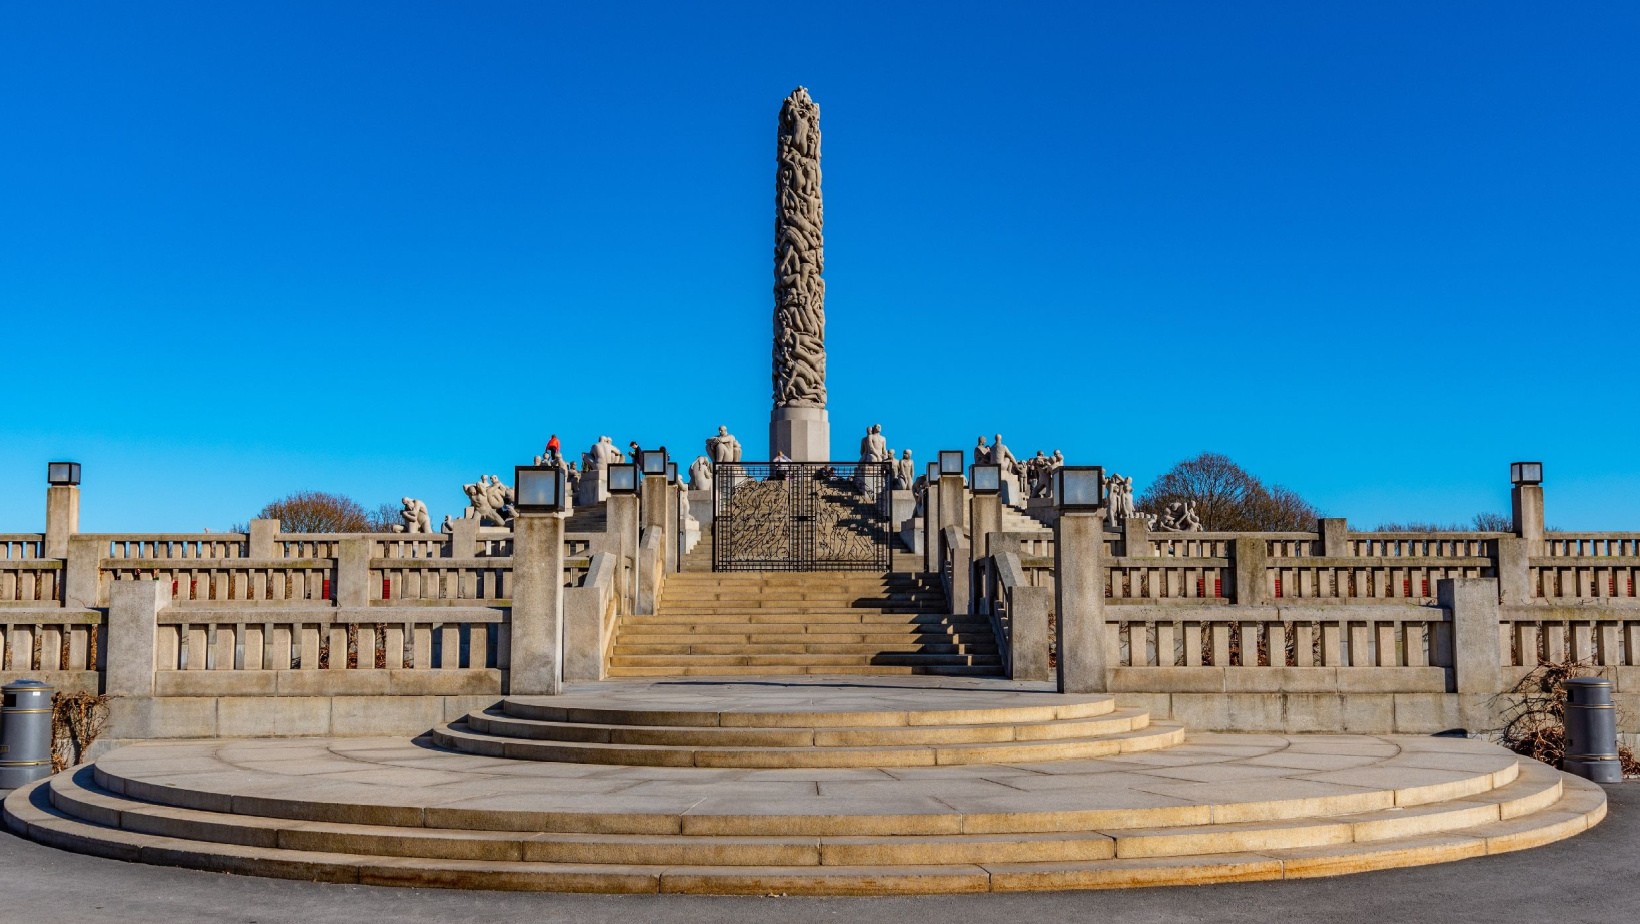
<point>1514,570</point>
<point>798,425</point>
<point>985,511</point>
<point>62,518</point>
<point>661,512</point>
<point>1079,591</point>
<point>1251,554</point>
<point>1477,660</point>
<point>1335,537</point>
<point>464,537</point>
<point>1136,538</point>
<point>535,665</point>
<point>623,524</point>
<point>953,512</point>
<point>1031,621</point>
<point>802,433</point>
<point>1527,500</point>
<point>261,539</point>
<point>353,572</point>
<point>931,527</point>
<point>81,572</point>
<point>133,620</point>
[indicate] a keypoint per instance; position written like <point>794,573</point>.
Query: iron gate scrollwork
<point>801,516</point>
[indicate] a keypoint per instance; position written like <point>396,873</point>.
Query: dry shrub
<point>1535,721</point>
<point>76,721</point>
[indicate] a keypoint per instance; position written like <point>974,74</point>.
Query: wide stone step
<point>765,635</point>
<point>252,822</point>
<point>777,670</point>
<point>786,615</point>
<point>462,737</point>
<point>625,648</point>
<point>793,706</point>
<point>501,724</point>
<point>801,660</point>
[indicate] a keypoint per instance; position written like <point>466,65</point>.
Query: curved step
<point>500,723</point>
<point>458,736</point>
<point>50,812</point>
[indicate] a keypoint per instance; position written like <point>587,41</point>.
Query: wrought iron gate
<point>801,516</point>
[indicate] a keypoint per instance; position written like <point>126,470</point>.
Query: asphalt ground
<point>1594,877</point>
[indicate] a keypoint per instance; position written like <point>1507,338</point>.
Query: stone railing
<point>65,648</point>
<point>249,652</point>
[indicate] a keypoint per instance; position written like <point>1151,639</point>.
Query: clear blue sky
<point>1373,251</point>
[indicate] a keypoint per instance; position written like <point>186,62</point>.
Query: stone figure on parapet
<point>490,501</point>
<point>446,527</point>
<point>1119,494</point>
<point>602,455</point>
<point>700,474</point>
<point>919,491</point>
<point>1179,517</point>
<point>982,453</point>
<point>874,448</point>
<point>722,448</point>
<point>905,472</point>
<point>414,516</point>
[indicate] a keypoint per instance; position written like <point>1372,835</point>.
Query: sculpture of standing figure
<point>874,448</point>
<point>1120,493</point>
<point>905,472</point>
<point>700,474</point>
<point>446,526</point>
<point>723,447</point>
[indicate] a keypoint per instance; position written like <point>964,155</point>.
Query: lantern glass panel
<point>653,461</point>
<point>951,461</point>
<point>986,479</point>
<point>1081,487</point>
<point>623,479</point>
<point>538,488</point>
<point>63,473</point>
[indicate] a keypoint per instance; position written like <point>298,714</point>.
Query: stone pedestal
<point>802,433</point>
<point>536,628</point>
<point>700,504</point>
<point>1079,543</point>
<point>985,515</point>
<point>593,488</point>
<point>62,518</point>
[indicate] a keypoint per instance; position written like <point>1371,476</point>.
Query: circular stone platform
<point>1212,808</point>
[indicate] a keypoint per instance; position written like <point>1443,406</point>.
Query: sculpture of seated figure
<point>414,516</point>
<point>722,448</point>
<point>700,474</point>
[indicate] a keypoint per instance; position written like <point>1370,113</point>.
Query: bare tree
<point>1229,499</point>
<point>1481,523</point>
<point>318,512</point>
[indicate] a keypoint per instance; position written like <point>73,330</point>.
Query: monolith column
<point>798,425</point>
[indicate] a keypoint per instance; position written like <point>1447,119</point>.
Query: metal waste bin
<point>25,733</point>
<point>1591,731</point>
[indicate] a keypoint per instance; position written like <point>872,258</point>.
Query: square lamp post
<point>62,473</point>
<point>951,462</point>
<point>623,478</point>
<point>538,489</point>
<point>1080,487</point>
<point>652,461</point>
<point>985,479</point>
<point>1520,473</point>
<point>671,473</point>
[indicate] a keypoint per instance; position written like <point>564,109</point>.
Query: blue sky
<point>1373,252</point>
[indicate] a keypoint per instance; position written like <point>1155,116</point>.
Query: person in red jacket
<point>552,450</point>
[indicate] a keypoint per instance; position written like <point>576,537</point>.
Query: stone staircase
<point>1016,519</point>
<point>641,787</point>
<point>825,622</point>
